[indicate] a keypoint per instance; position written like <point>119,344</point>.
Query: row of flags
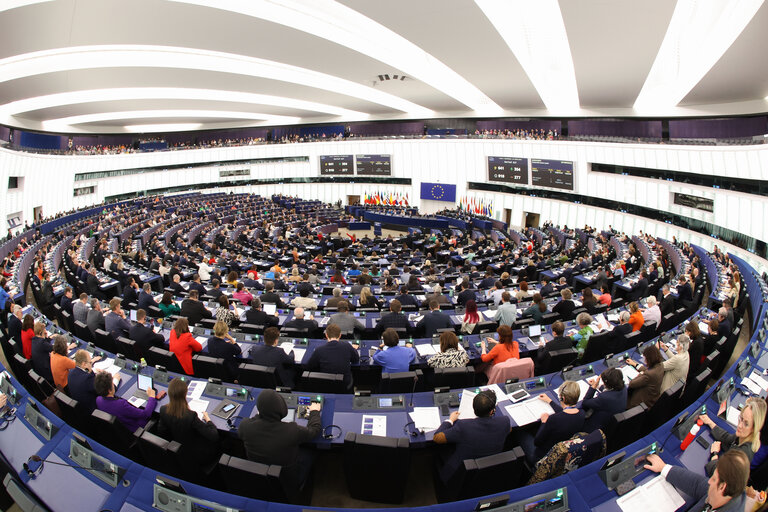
<point>476,205</point>
<point>386,198</point>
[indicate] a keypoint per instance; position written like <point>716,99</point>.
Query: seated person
<point>536,310</point>
<point>581,338</point>
<point>473,438</point>
<point>299,323</point>
<point>722,492</point>
<point>41,352</point>
<point>564,423</point>
<point>588,299</point>
<point>652,312</point>
<point>270,355</point>
<point>226,312</point>
<point>269,440</point>
<point>646,387</point>
<point>131,417</point>
<point>636,319</point>
<point>255,316</point>
<point>80,382</point>
<point>193,309</point>
<point>223,345</point>
<point>395,319</point>
<point>746,438</point>
<point>183,344</point>
<point>434,320</point>
<point>144,335</point>
<point>566,306</point>
<point>676,365</point>
<point>335,356</point>
<point>344,319</point>
<point>505,348</point>
<point>199,439</point>
<point>367,299</point>
<point>242,294</point>
<point>60,363</point>
<point>611,400</point>
<point>168,306</point>
<point>304,300</point>
<point>449,356</point>
<point>558,342</point>
<point>115,322</point>
<point>393,358</point>
<point>605,297</point>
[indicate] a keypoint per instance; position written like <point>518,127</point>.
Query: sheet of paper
<point>374,425</point>
<point>528,411</point>
<point>466,411</point>
<point>202,340</point>
<point>137,402</point>
<point>704,327</point>
<point>732,416</point>
<point>199,406</point>
<point>489,314</point>
<point>287,347</point>
<point>426,418</point>
<point>243,349</point>
<point>415,318</point>
<point>613,317</point>
<point>426,349</point>
<point>658,491</point>
<point>298,354</point>
<point>629,373</point>
<point>759,380</point>
<point>751,385</point>
<point>104,364</point>
<point>500,395</point>
<point>195,389</point>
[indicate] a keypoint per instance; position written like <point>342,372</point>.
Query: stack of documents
<point>657,491</point>
<point>529,411</point>
<point>426,419</point>
<point>426,349</point>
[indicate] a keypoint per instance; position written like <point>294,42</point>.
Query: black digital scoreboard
<point>508,169</point>
<point>373,165</point>
<point>552,173</point>
<point>336,165</point>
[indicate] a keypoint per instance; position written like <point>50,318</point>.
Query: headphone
<point>8,417</point>
<point>413,432</point>
<point>33,473</point>
<point>231,421</point>
<point>331,435</point>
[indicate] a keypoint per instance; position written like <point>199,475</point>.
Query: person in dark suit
<point>193,309</point>
<point>143,334</point>
<point>41,352</point>
<point>199,439</point>
<point>466,294</point>
<point>335,356</point>
<point>93,284</point>
<point>215,292</point>
<point>723,492</point>
<point>684,291</point>
<point>197,285</point>
<point>434,320</point>
<point>269,296</point>
<point>66,300</point>
<point>80,382</point>
<point>395,319</point>
<point>623,329</point>
<point>566,306</point>
<point>305,285</point>
<point>405,298</point>
<point>299,323</point>
<point>255,316</point>
<point>145,299</point>
<point>640,289</point>
<point>559,342</point>
<point>270,355</point>
<point>612,400</point>
<point>115,322</point>
<point>724,327</point>
<point>223,345</point>
<point>176,287</point>
<point>46,291</point>
<point>130,294</point>
<point>473,438</point>
<point>667,304</point>
<point>547,287</point>
<point>95,319</point>
<point>14,324</point>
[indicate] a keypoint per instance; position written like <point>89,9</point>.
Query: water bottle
<point>691,435</point>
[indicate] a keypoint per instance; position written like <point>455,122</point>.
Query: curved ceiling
<point>107,66</point>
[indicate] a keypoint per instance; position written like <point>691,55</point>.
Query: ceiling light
<point>152,93</point>
<point>344,26</point>
<point>535,32</point>
<point>178,127</point>
<point>7,5</point>
<point>66,124</point>
<point>120,56</point>
<point>699,33</point>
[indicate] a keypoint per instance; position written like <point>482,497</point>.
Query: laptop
<point>144,383</point>
<point>534,333</point>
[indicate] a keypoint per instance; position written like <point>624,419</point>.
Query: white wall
<point>49,179</point>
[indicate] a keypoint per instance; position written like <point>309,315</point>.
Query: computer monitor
<point>534,330</point>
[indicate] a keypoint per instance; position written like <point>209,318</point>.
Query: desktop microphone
<point>562,372</point>
<point>35,458</point>
<point>413,390</point>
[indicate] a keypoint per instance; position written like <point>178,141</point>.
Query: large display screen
<point>552,173</point>
<point>508,169</point>
<point>336,164</point>
<point>373,165</point>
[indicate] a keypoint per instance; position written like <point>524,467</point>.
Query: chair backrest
<point>67,319</point>
<point>111,433</point>
<point>598,346</point>
<point>128,348</point>
<point>491,474</point>
<point>323,382</point>
<point>207,366</point>
<point>626,427</point>
<point>454,378</point>
<point>558,359</point>
<point>257,376</point>
<point>391,456</point>
<point>511,369</point>
<point>157,356</point>
<point>251,328</point>
<point>82,332</point>
<point>253,480</point>
<point>401,382</point>
<point>550,318</point>
<point>666,406</point>
<point>157,454</point>
<point>105,341</point>
<point>71,413</point>
<point>695,388</point>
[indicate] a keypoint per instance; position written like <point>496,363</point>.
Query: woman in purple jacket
<point>131,417</point>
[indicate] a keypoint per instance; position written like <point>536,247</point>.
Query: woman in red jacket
<point>183,344</point>
<point>27,333</point>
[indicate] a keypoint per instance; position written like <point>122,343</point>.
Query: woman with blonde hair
<point>367,299</point>
<point>747,435</point>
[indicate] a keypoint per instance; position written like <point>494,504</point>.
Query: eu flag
<point>438,192</point>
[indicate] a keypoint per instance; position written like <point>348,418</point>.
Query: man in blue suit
<point>610,401</point>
